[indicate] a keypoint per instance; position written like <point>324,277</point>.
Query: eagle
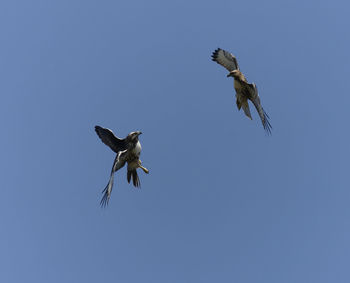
<point>244,90</point>
<point>128,150</point>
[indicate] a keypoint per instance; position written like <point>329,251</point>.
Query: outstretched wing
<point>225,59</point>
<point>254,97</point>
<point>119,162</point>
<point>109,139</point>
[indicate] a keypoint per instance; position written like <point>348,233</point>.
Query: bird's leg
<point>143,168</point>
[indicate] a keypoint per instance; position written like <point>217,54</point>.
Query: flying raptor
<point>244,90</point>
<point>128,150</point>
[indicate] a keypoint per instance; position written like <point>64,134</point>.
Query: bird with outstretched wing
<point>244,90</point>
<point>128,151</point>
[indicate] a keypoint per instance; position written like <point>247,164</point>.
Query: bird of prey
<point>128,150</point>
<point>244,90</point>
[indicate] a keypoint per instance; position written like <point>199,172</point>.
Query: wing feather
<point>118,163</point>
<point>254,97</point>
<point>109,139</point>
<point>225,59</point>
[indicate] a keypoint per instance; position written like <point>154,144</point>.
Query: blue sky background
<point>223,201</point>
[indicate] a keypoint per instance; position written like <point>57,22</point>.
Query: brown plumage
<point>244,90</point>
<point>128,151</point>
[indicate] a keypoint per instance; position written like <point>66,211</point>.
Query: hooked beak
<point>229,75</point>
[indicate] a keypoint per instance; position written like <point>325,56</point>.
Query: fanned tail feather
<point>135,178</point>
<point>246,109</point>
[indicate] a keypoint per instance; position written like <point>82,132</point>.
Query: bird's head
<point>234,73</point>
<point>133,136</point>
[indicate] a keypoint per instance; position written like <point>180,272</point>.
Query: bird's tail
<point>107,191</point>
<point>246,109</point>
<point>243,103</point>
<point>135,178</point>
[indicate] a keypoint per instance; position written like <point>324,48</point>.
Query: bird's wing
<point>109,139</point>
<point>225,59</point>
<point>119,162</point>
<point>254,97</point>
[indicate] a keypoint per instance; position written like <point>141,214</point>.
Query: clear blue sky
<point>223,201</point>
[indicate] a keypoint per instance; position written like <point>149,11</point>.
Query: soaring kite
<point>128,150</point>
<point>244,90</point>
